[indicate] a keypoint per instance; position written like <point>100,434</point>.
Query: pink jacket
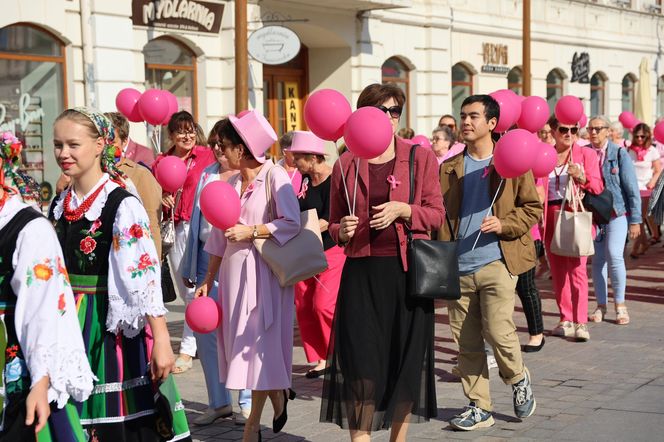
<point>139,153</point>
<point>428,212</point>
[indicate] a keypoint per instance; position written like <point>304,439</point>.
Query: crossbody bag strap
<point>268,193</point>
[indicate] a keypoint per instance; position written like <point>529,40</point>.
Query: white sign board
<point>273,45</point>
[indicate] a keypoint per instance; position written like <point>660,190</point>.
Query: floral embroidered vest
<point>15,381</point>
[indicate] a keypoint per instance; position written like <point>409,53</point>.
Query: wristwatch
<point>254,235</point>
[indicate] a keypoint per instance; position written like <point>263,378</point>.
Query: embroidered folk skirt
<point>381,352</point>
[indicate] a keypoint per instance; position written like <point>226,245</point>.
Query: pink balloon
<point>515,153</point>
<point>569,109</point>
<point>422,140</point>
<point>628,120</point>
<point>658,132</point>
<point>153,106</point>
<point>172,106</point>
<point>127,104</point>
<point>534,114</point>
<point>203,314</point>
<point>368,132</point>
<point>326,112</point>
<point>220,204</point>
<point>510,110</point>
<point>545,160</point>
<point>171,172</point>
<point>583,121</point>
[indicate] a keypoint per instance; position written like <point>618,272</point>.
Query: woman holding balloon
<point>381,352</point>
<point>575,166</point>
<point>179,184</point>
<point>256,340</point>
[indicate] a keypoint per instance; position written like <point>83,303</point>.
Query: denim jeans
<point>608,258</point>
<point>218,395</point>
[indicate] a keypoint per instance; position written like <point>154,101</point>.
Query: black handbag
<point>600,205</point>
<point>168,292</point>
<point>433,266</point>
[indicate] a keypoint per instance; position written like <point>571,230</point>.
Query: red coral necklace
<point>76,214</point>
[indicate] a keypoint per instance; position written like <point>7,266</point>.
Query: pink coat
<point>428,212</point>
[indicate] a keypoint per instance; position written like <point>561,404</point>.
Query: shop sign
<point>25,117</point>
<point>178,15</point>
<point>580,68</point>
<point>495,57</point>
<point>273,45</point>
<point>292,104</point>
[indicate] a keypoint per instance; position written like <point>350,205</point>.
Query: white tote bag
<point>573,233</point>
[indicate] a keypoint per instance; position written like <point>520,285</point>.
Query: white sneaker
<point>212,415</point>
<point>242,416</point>
<point>581,333</point>
<point>564,329</point>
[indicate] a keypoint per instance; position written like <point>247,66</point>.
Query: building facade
<point>56,54</point>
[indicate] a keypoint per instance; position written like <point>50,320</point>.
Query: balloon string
<point>488,212</point>
<point>343,180</point>
<point>357,174</point>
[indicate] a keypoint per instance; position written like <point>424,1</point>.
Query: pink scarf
<point>639,151</point>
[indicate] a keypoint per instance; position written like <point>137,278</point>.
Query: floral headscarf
<point>10,153</point>
<point>111,154</point>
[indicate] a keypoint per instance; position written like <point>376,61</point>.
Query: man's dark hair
<point>491,107</point>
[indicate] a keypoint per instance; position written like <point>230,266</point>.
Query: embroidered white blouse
<point>46,322</point>
<point>134,274</point>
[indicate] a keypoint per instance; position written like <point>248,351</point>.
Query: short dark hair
<point>377,94</point>
<point>213,136</point>
<point>491,107</point>
<point>120,124</point>
<point>646,131</point>
<point>553,122</point>
<point>180,120</point>
<point>226,130</point>
<point>286,140</point>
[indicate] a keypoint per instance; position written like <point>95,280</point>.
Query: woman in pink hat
<point>316,297</point>
<point>256,340</point>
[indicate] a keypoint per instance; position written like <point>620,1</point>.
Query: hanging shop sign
<point>178,15</point>
<point>495,57</point>
<point>292,105</point>
<point>580,68</point>
<point>273,45</point>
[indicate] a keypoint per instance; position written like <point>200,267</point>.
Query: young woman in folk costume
<point>42,357</point>
<point>115,276</point>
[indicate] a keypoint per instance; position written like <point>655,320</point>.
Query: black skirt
<point>381,357</point>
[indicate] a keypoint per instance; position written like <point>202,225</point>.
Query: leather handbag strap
<point>411,197</point>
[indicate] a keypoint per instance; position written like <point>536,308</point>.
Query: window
<point>597,94</point>
<point>33,94</point>
<point>660,95</point>
<point>395,71</point>
<point>515,80</point>
<point>171,66</point>
<point>628,83</point>
<point>554,88</point>
<point>462,86</point>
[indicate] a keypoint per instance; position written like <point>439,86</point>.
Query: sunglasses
<point>395,111</point>
<point>451,126</point>
<point>596,128</point>
<point>640,137</point>
<point>564,130</point>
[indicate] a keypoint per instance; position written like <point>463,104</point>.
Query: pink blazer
<point>139,153</point>
<point>428,212</point>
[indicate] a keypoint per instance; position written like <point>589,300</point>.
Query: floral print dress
<point>115,277</point>
<point>39,332</point>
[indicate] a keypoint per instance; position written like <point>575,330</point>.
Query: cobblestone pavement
<point>610,388</point>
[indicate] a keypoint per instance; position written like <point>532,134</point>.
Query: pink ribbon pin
<point>393,182</point>
<point>486,172</point>
<point>304,188</point>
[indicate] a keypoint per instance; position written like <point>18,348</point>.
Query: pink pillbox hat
<point>256,133</point>
<point>306,142</point>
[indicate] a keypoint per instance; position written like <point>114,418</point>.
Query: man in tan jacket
<point>141,177</point>
<point>494,246</point>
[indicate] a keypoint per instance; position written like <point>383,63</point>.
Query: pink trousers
<point>315,301</point>
<point>570,278</point>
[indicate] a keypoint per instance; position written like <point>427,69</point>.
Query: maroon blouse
<point>382,242</point>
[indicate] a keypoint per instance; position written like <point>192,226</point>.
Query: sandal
<point>598,314</point>
<point>182,365</point>
<point>622,317</point>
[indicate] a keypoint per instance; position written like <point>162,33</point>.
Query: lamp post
<point>526,48</point>
<point>241,57</point>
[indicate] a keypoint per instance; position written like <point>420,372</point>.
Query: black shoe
<point>278,423</point>
<point>313,374</point>
<point>533,348</point>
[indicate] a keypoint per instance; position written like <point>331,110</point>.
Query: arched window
<point>462,86</point>
<point>170,65</point>
<point>32,73</point>
<point>554,87</point>
<point>395,71</point>
<point>515,80</point>
<point>660,95</point>
<point>628,83</point>
<point>598,94</point>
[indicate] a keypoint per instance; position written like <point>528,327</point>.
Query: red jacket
<point>428,212</point>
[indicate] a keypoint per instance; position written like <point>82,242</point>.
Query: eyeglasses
<point>596,128</point>
<point>184,134</point>
<point>395,111</point>
<point>564,130</point>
